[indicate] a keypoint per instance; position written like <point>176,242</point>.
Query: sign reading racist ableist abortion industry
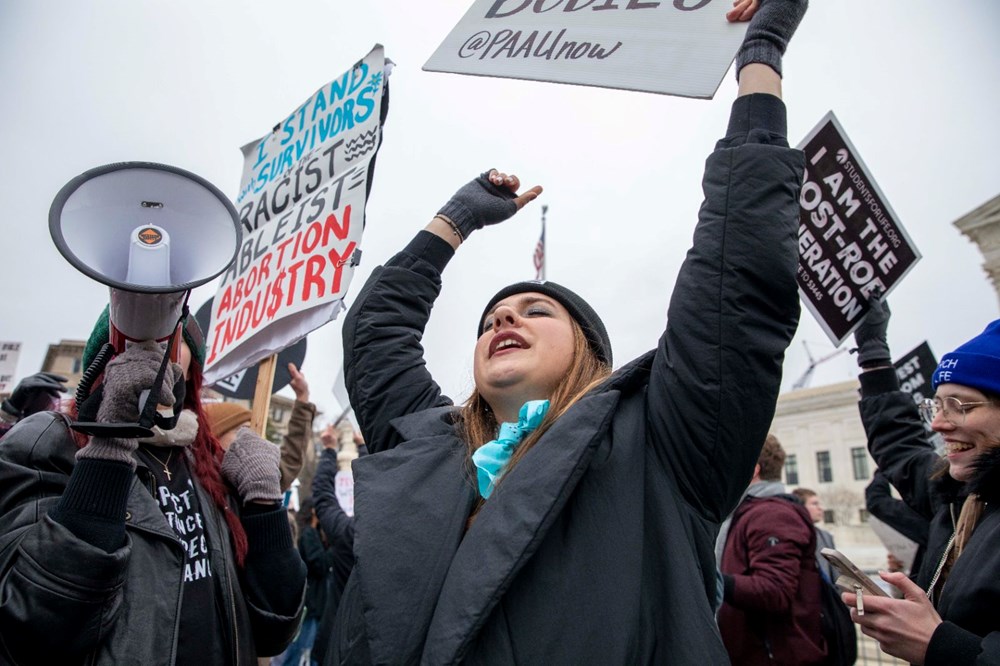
<point>850,240</point>
<point>302,203</point>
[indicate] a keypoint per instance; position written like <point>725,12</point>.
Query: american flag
<point>539,258</point>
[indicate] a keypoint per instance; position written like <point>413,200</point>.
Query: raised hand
<point>32,394</point>
<point>772,24</point>
<point>251,465</point>
<point>298,383</point>
<point>489,199</point>
<point>870,336</point>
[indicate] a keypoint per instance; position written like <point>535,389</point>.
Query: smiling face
<point>965,442</point>
<point>523,353</point>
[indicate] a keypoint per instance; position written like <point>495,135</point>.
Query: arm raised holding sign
<point>558,484</point>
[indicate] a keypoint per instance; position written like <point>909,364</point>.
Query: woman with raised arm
<point>566,514</point>
<point>949,615</point>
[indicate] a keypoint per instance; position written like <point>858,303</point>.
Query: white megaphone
<point>151,232</point>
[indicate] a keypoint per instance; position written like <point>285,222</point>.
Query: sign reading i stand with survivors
<point>302,202</point>
<point>850,240</point>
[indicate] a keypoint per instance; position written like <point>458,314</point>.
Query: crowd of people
<point>567,512</point>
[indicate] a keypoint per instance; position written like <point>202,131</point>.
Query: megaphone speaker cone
<point>179,230</point>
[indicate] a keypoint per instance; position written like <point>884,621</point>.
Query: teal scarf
<point>491,458</point>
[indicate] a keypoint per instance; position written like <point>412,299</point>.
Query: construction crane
<point>803,381</point>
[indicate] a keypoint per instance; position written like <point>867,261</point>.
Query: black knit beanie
<point>579,309</point>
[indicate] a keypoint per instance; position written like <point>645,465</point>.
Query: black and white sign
<point>850,239</point>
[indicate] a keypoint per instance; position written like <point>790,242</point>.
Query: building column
<point>982,227</point>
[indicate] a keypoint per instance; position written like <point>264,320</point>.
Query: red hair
<point>207,454</point>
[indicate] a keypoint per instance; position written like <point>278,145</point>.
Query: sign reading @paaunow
<point>850,240</point>
<point>674,47</point>
<point>302,204</point>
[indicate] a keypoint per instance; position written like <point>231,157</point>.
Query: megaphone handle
<point>148,410</point>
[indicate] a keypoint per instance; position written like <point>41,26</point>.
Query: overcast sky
<point>187,83</point>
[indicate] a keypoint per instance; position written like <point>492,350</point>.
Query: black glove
<point>873,349</point>
<point>477,204</point>
<point>125,378</point>
<point>34,393</point>
<point>768,34</point>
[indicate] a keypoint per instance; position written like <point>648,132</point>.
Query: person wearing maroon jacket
<point>771,601</point>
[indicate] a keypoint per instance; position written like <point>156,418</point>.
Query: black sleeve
<point>898,440</point>
<point>894,512</point>
<point>274,577</point>
<point>384,366</point>
<point>337,525</point>
<point>733,311</point>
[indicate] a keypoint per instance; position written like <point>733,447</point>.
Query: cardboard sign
<point>302,202</point>
<point>915,371</point>
<point>850,240</point>
<point>242,385</point>
<point>9,353</point>
<point>343,483</point>
<point>675,47</point>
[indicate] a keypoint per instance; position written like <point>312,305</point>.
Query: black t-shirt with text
<point>200,639</point>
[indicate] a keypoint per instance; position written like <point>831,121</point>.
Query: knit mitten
<point>126,377</point>
<point>769,31</point>
<point>477,204</point>
<point>251,465</point>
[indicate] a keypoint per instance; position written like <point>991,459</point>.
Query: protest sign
<point>850,240</point>
<point>344,487</point>
<point>901,547</point>
<point>302,202</point>
<point>675,47</point>
<point>915,370</point>
<point>240,386</point>
<point>9,353</point>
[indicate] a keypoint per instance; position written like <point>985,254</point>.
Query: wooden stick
<point>262,394</point>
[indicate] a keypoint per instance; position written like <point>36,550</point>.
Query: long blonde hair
<point>479,424</point>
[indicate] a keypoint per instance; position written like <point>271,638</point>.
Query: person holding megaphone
<point>128,535</point>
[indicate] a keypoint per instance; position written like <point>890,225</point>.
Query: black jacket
<point>597,548</point>
<point>970,599</point>
<point>66,601</point>
<point>339,530</point>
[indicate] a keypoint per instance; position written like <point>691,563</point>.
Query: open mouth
<point>958,447</point>
<point>506,341</point>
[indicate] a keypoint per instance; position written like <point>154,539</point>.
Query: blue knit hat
<point>975,364</point>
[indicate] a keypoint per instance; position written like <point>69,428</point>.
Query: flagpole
<point>545,250</point>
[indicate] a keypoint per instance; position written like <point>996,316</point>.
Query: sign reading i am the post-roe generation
<point>850,240</point>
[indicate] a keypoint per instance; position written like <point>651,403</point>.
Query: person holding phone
<point>954,619</point>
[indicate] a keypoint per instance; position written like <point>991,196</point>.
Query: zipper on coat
<point>944,555</point>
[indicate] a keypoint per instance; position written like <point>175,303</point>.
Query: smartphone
<point>851,576</point>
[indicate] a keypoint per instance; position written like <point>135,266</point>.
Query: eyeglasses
<point>951,408</point>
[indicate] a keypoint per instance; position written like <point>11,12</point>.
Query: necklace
<point>166,470</point>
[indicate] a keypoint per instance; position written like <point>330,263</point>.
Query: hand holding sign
<point>772,24</point>
<point>873,348</point>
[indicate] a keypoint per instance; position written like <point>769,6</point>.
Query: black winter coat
<point>597,548</point>
<point>969,602</point>
<point>65,601</point>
